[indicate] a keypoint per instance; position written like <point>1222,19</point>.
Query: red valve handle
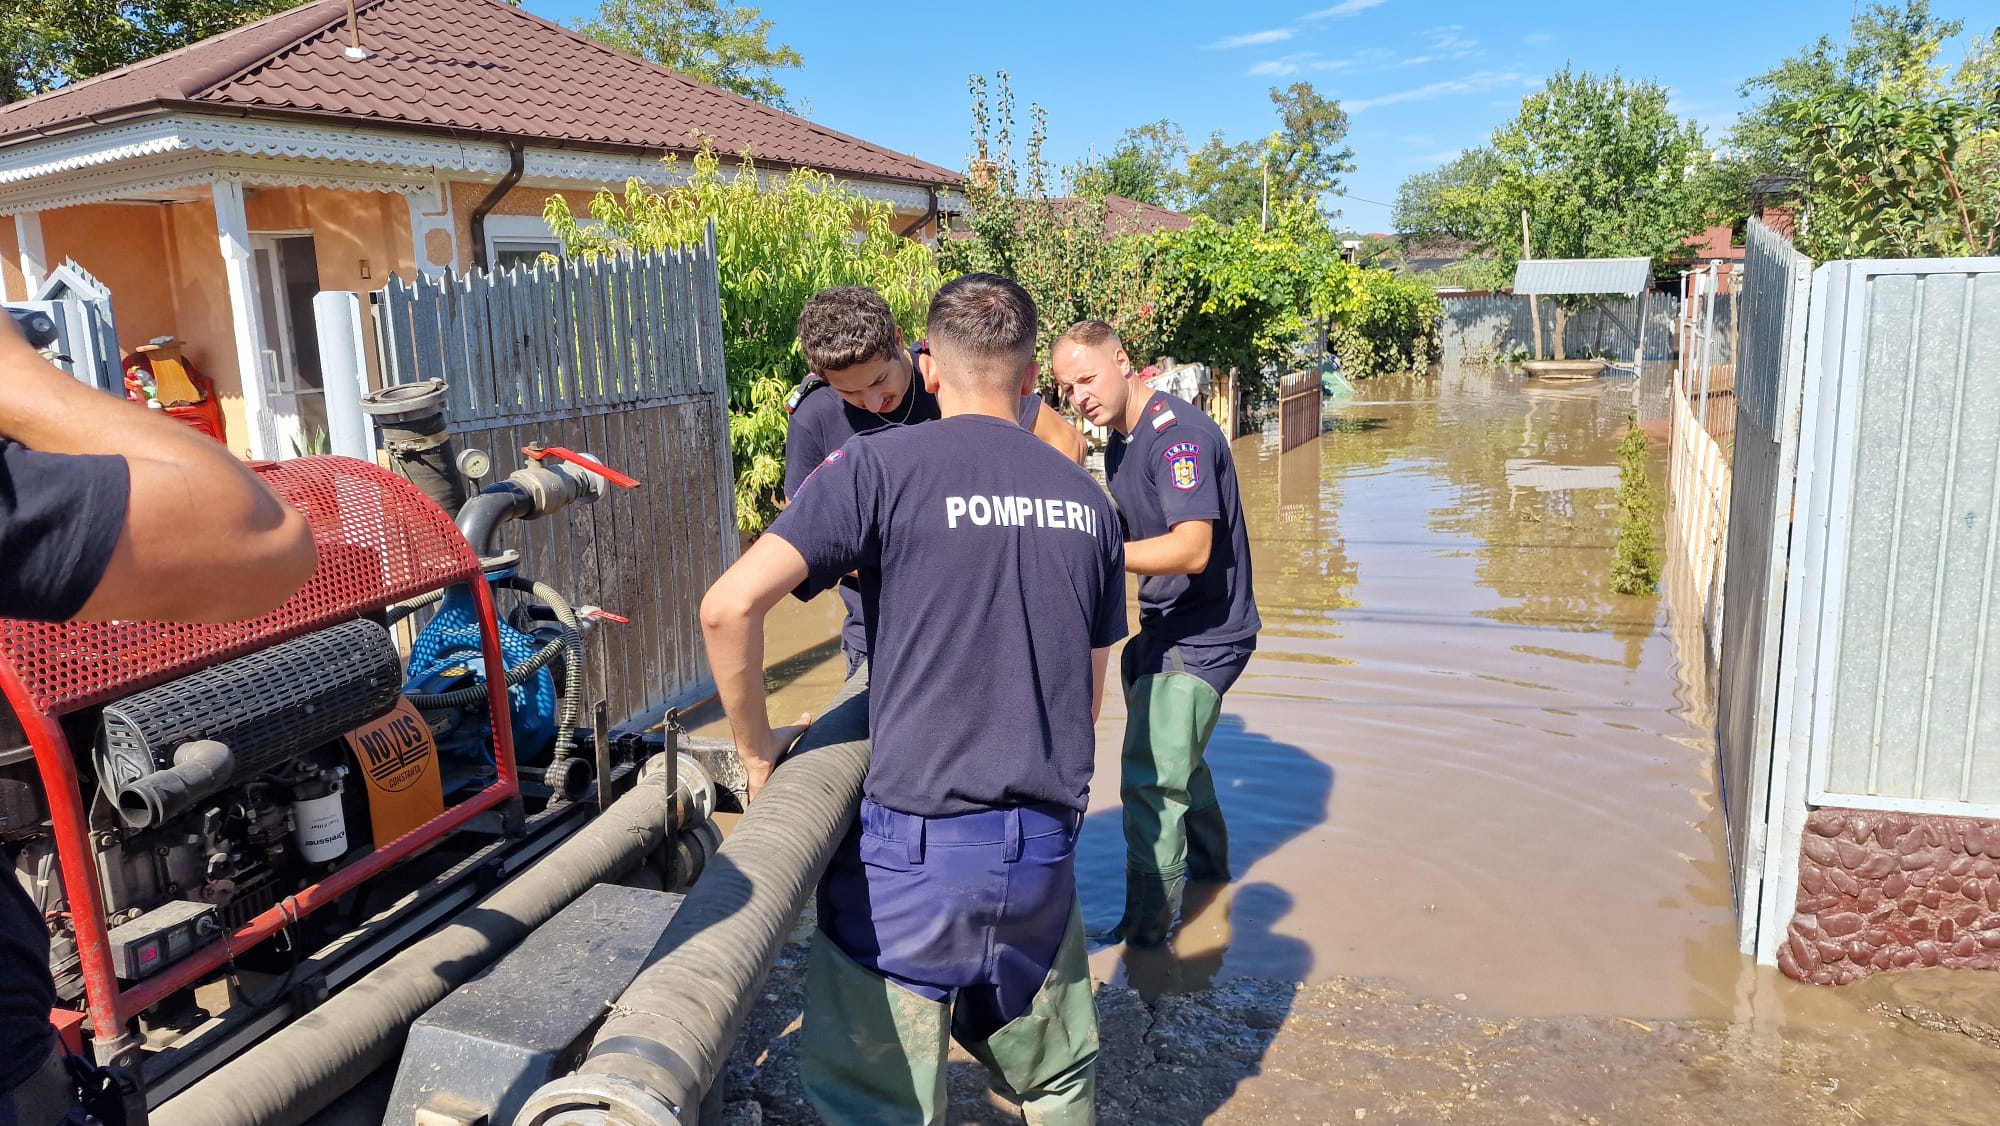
<point>563,453</point>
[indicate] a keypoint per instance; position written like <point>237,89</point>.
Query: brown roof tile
<point>474,66</point>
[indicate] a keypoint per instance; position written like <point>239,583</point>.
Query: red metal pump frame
<point>380,541</point>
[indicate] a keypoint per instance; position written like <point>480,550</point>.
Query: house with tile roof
<point>217,188</point>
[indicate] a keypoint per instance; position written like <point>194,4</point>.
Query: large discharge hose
<point>670,1032</point>
<point>298,1071</point>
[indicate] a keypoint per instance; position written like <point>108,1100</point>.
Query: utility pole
<point>1534,305</point>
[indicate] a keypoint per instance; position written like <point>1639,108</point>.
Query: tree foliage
<point>1146,164</point>
<point>1604,168</point>
<point>51,44</point>
<point>1306,157</point>
<point>1391,324</point>
<point>1895,154</point>
<point>777,244</point>
<point>1450,202</point>
<point>1045,228</point>
<point>713,41</point>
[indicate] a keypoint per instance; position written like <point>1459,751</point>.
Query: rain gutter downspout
<point>491,201</point>
<point>930,213</point>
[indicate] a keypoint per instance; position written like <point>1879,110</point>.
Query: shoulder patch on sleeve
<point>812,382</point>
<point>1183,465</point>
<point>1162,418</point>
<point>824,462</point>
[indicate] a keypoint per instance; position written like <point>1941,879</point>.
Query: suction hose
<point>411,418</point>
<point>296,1072</point>
<point>670,1032</point>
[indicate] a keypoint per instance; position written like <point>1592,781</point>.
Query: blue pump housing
<point>446,657</point>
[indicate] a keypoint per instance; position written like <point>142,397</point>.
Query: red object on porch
<point>380,541</point>
<point>165,365</point>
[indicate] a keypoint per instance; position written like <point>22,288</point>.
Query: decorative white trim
<point>424,219</point>
<point>378,159</point>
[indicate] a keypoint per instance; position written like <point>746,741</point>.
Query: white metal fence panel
<point>1769,378</point>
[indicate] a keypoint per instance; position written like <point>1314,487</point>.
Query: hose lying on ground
<point>299,1070</point>
<point>670,1032</point>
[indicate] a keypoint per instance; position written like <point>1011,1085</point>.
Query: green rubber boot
<point>1048,1055</point>
<point>1207,833</point>
<point>1170,716</point>
<point>870,1051</point>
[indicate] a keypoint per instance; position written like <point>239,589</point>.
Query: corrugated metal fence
<point>620,358</point>
<point>1770,364</point>
<point>1906,668</point>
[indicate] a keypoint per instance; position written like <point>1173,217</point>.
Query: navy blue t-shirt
<point>1175,466</point>
<point>822,424</point>
<point>990,566</point>
<point>60,517</point>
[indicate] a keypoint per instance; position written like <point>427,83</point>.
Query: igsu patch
<point>1184,465</point>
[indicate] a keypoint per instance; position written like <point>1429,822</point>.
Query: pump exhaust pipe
<point>670,1032</point>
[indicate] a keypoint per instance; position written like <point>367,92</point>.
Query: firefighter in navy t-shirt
<point>109,511</point>
<point>1170,471</point>
<point>990,571</point>
<point>850,339</point>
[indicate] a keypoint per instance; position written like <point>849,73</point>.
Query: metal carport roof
<point>1546,277</point>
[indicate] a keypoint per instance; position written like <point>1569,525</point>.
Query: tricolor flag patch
<point>1162,420</point>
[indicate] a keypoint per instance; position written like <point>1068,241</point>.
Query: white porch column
<point>34,259</point>
<point>245,317</point>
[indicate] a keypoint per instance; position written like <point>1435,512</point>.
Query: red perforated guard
<point>380,540</point>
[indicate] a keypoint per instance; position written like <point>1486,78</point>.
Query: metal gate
<point>621,358</point>
<point>1769,368</point>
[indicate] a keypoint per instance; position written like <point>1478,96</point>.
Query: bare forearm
<point>204,539</point>
<point>1171,554</point>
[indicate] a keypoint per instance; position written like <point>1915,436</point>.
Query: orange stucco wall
<point>163,264</point>
<point>124,246</point>
<point>521,201</point>
<point>11,285</point>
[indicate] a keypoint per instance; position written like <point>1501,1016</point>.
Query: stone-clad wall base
<point>1884,891</point>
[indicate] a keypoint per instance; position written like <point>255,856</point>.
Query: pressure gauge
<point>474,463</point>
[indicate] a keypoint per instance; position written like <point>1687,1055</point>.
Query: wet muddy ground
<point>1479,858</point>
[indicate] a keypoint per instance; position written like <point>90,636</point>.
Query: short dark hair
<point>985,316</point>
<point>846,325</point>
<point>1091,334</point>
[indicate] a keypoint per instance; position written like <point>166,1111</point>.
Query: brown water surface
<point>1458,761</point>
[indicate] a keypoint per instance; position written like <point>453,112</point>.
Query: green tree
<point>1890,49</point>
<point>1305,159</point>
<point>1894,153</point>
<point>711,40</point>
<point>1045,229</point>
<point>1146,165</point>
<point>1449,202</point>
<point>1603,167</point>
<point>778,243</point>
<point>51,43</point>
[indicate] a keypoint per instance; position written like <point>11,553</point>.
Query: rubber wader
<point>1173,825</point>
<point>873,1053</point>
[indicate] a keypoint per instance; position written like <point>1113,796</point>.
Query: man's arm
<point>203,541</point>
<point>1099,659</point>
<point>1182,551</point>
<point>732,624</point>
<point>1054,429</point>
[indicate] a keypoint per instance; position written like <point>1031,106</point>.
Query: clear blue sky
<point>1421,80</point>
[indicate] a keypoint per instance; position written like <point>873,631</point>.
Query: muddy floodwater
<point>1460,764</point>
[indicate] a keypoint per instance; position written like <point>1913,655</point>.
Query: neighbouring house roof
<point>1130,217</point>
<point>1557,276</point>
<point>463,67</point>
